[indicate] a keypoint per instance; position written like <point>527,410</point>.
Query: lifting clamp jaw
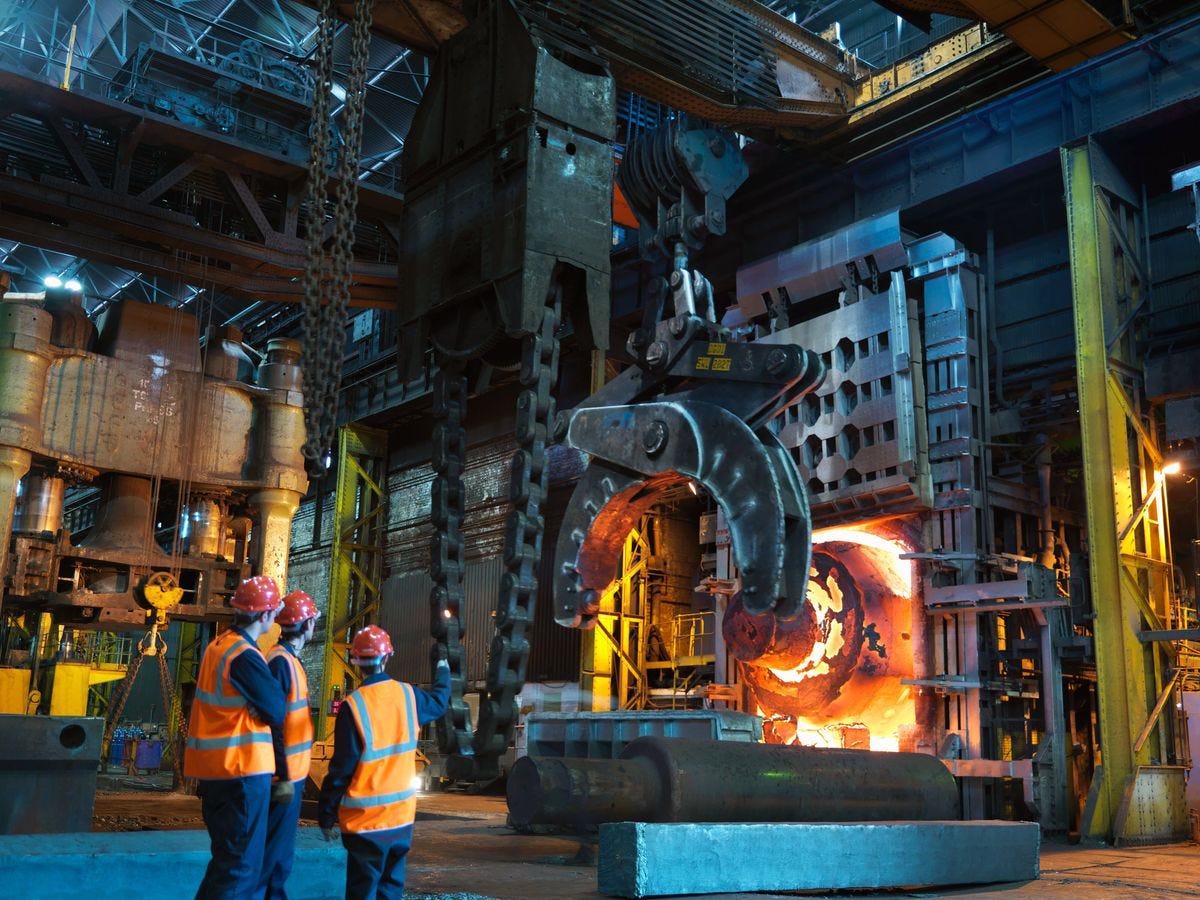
<point>697,407</point>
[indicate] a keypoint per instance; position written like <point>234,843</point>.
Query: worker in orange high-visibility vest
<point>370,789</point>
<point>293,741</point>
<point>229,746</point>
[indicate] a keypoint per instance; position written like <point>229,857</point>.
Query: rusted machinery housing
<point>162,427</point>
<point>659,779</point>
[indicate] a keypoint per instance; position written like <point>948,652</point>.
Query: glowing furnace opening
<point>834,676</point>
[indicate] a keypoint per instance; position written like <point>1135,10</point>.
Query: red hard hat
<point>256,594</point>
<point>297,607</point>
<point>370,643</point>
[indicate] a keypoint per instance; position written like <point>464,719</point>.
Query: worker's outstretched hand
<point>331,833</point>
<point>282,792</point>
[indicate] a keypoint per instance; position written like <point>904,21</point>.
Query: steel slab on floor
<point>149,865</point>
<point>641,859</point>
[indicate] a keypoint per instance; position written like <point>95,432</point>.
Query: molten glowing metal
<point>828,698</point>
<point>902,569</point>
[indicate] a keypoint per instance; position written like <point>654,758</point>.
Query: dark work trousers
<point>375,863</point>
<point>235,814</point>
<point>282,820</point>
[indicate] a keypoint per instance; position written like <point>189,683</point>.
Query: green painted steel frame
<point>1126,508</point>
<point>356,566</point>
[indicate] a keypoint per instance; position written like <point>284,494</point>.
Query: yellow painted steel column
<point>356,564</point>
<point>1108,461</point>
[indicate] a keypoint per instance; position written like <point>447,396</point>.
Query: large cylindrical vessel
<point>40,509</point>
<point>205,527</point>
<point>680,780</point>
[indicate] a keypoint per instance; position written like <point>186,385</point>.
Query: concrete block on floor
<point>643,859</point>
<point>149,865</point>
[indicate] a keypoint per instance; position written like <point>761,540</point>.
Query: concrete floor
<point>463,850</point>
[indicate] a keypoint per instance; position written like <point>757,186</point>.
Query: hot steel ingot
<point>680,780</point>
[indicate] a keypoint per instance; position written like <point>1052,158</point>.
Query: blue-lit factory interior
<point>669,447</point>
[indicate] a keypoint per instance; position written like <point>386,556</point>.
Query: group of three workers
<point>250,742</point>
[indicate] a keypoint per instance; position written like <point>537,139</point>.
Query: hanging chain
<point>117,705</point>
<point>446,552</point>
<point>327,273</point>
<point>528,485</point>
<point>166,685</point>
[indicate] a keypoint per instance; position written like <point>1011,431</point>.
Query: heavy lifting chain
<point>473,756</point>
<point>166,684</point>
<point>327,273</point>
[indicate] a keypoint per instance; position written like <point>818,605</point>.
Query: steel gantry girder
<point>96,178</point>
<point>1137,795</point>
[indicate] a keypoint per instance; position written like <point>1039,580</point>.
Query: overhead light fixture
<point>339,92</point>
<point>1174,467</point>
<point>52,281</point>
<point>73,284</point>
<point>692,488</point>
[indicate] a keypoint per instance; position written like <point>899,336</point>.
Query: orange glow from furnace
<point>900,572</point>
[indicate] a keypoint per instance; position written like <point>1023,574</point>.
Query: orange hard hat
<point>297,607</point>
<point>256,594</point>
<point>370,643</point>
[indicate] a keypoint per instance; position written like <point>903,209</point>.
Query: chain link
<point>166,684</point>
<point>327,273</point>
<point>528,485</point>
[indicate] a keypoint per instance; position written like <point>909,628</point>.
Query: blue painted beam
<point>1132,83</point>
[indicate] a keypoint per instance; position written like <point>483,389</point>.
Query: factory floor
<point>463,850</point>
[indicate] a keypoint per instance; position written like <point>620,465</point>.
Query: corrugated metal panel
<point>482,584</point>
<point>404,608</point>
<point>404,614</point>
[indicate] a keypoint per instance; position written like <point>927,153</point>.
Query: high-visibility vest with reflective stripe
<point>381,793</point>
<point>297,724</point>
<point>224,740</point>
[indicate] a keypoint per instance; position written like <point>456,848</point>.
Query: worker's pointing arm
<point>432,703</point>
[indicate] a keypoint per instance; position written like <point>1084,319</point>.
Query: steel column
<point>615,649</point>
<point>1119,460</point>
<point>356,569</point>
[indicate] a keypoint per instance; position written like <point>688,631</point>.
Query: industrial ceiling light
<point>73,284</point>
<point>1174,467</point>
<point>52,281</point>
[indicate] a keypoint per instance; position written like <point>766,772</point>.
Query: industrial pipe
<point>679,780</point>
